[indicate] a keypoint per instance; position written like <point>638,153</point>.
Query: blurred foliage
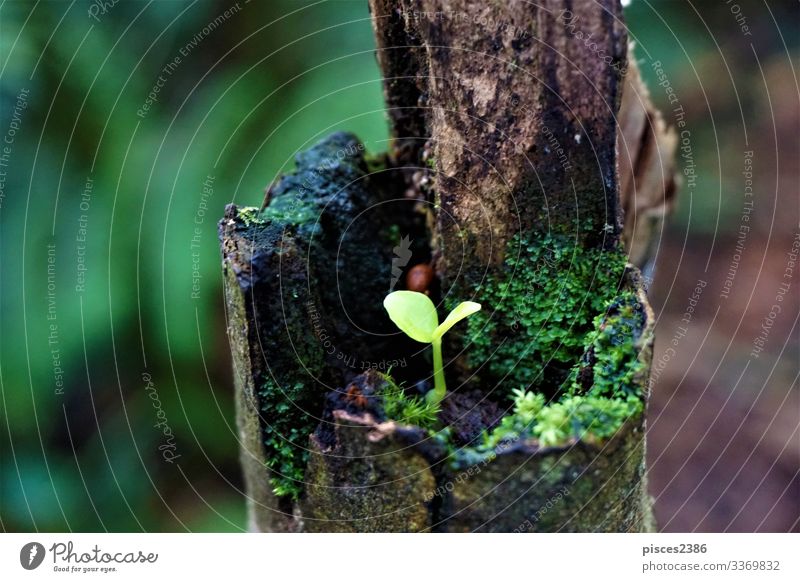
<point>709,61</point>
<point>269,80</point>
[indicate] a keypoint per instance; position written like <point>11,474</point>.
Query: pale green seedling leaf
<point>464,309</point>
<point>414,313</point>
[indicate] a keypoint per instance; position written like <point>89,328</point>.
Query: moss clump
<point>542,309</point>
<point>611,361</point>
<point>584,418</point>
<point>601,391</point>
<point>564,339</point>
<point>287,211</point>
<point>399,406</point>
<point>587,418</point>
<point>286,434</point>
<point>249,215</point>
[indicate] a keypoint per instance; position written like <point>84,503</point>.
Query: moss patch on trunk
<point>540,311</point>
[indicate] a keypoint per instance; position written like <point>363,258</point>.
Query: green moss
<point>573,417</point>
<point>540,310</point>
<point>286,210</point>
<point>290,210</point>
<point>286,434</point>
<point>613,358</point>
<point>399,406</point>
<point>555,326</point>
<point>250,215</point>
<point>297,265</point>
<point>584,418</point>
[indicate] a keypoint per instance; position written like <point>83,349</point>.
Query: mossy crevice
<point>539,310</point>
<point>560,334</point>
<point>593,412</point>
<point>577,414</point>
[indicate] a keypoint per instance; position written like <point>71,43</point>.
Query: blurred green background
<point>93,180</point>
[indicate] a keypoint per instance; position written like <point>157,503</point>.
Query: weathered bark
<point>517,118</point>
<point>520,113</point>
<point>296,327</point>
<point>647,178</point>
<point>375,478</point>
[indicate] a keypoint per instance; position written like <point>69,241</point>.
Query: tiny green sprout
<point>415,314</point>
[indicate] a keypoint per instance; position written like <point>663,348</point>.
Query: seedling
<point>415,314</point>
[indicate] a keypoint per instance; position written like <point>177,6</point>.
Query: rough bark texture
<point>529,489</point>
<point>298,329</point>
<point>513,112</point>
<point>375,478</point>
<point>520,110</point>
<point>249,364</point>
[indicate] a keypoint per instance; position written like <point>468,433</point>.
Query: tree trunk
<point>504,119</point>
<point>520,114</point>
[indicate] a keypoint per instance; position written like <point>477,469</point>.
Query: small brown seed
<point>419,278</point>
